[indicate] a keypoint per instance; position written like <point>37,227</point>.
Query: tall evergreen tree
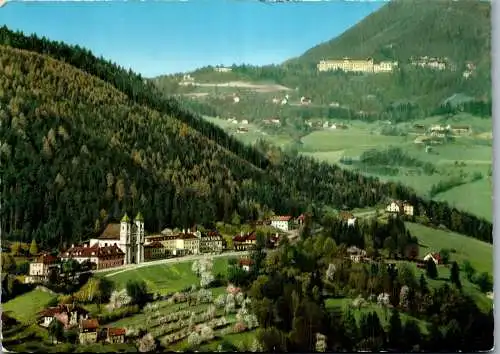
<point>455,275</point>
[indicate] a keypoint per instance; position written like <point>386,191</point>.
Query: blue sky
<point>156,38</point>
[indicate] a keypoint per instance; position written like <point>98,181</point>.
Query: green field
<point>464,156</point>
<point>479,253</point>
<point>166,278</point>
<point>25,307</point>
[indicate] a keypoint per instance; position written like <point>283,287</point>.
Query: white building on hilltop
<point>128,236</point>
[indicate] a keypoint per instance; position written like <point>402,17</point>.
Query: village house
<point>244,122</point>
<point>305,100</point>
<point>460,129</point>
<point>273,240</point>
<point>212,241</point>
<point>245,242</point>
<point>281,222</point>
<point>113,335</point>
<point>103,257</point>
<point>347,217</point>
<point>245,264</point>
<point>68,314</point>
<point>40,267</point>
<point>128,236</point>
<point>400,207</point>
<point>88,331</point>
<point>439,131</point>
<point>154,250</point>
<point>242,130</point>
<point>300,219</point>
<point>356,254</point>
<point>222,69</point>
<point>435,257</point>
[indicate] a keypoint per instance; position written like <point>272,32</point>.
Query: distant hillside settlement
<point>356,65</point>
<point>369,66</point>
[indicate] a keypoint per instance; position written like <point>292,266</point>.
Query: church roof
<point>125,218</point>
<point>111,232</point>
<point>139,217</point>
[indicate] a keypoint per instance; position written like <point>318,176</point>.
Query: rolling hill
<point>84,140</point>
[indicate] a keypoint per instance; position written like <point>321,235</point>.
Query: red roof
<point>94,251</point>
<point>46,259</point>
<point>246,261</point>
<point>301,217</point>
<point>112,332</point>
<point>61,308</point>
<point>281,218</point>
<point>90,324</point>
<point>345,215</point>
<point>251,236</point>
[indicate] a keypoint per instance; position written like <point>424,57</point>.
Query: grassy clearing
<point>383,314</point>
<point>479,253</point>
<point>25,307</point>
<point>352,141</point>
<point>482,202</point>
<point>166,278</point>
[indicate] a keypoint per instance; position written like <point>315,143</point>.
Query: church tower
<point>125,234</point>
<point>139,237</point>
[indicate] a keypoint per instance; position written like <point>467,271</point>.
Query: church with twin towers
<point>128,235</point>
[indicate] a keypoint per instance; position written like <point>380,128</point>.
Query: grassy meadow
<point>465,156</point>
<point>166,278</point>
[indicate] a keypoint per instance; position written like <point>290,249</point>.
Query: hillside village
<point>316,205</point>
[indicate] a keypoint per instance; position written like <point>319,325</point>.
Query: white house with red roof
<point>400,207</point>
<point>435,257</point>
<point>40,267</point>
<point>282,222</point>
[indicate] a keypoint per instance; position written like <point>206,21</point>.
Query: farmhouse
<point>103,257</point>
<point>244,242</point>
<point>88,331</point>
<point>356,254</point>
<point>400,207</point>
<point>39,268</point>
<point>114,335</point>
<point>460,129</point>
<point>128,236</point>
<point>242,130</point>
<point>435,257</point>
<point>281,222</point>
<point>347,217</point>
<point>245,264</point>
<point>68,315</point>
<point>439,131</point>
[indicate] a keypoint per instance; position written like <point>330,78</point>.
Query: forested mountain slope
<point>74,148</point>
<point>459,30</point>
